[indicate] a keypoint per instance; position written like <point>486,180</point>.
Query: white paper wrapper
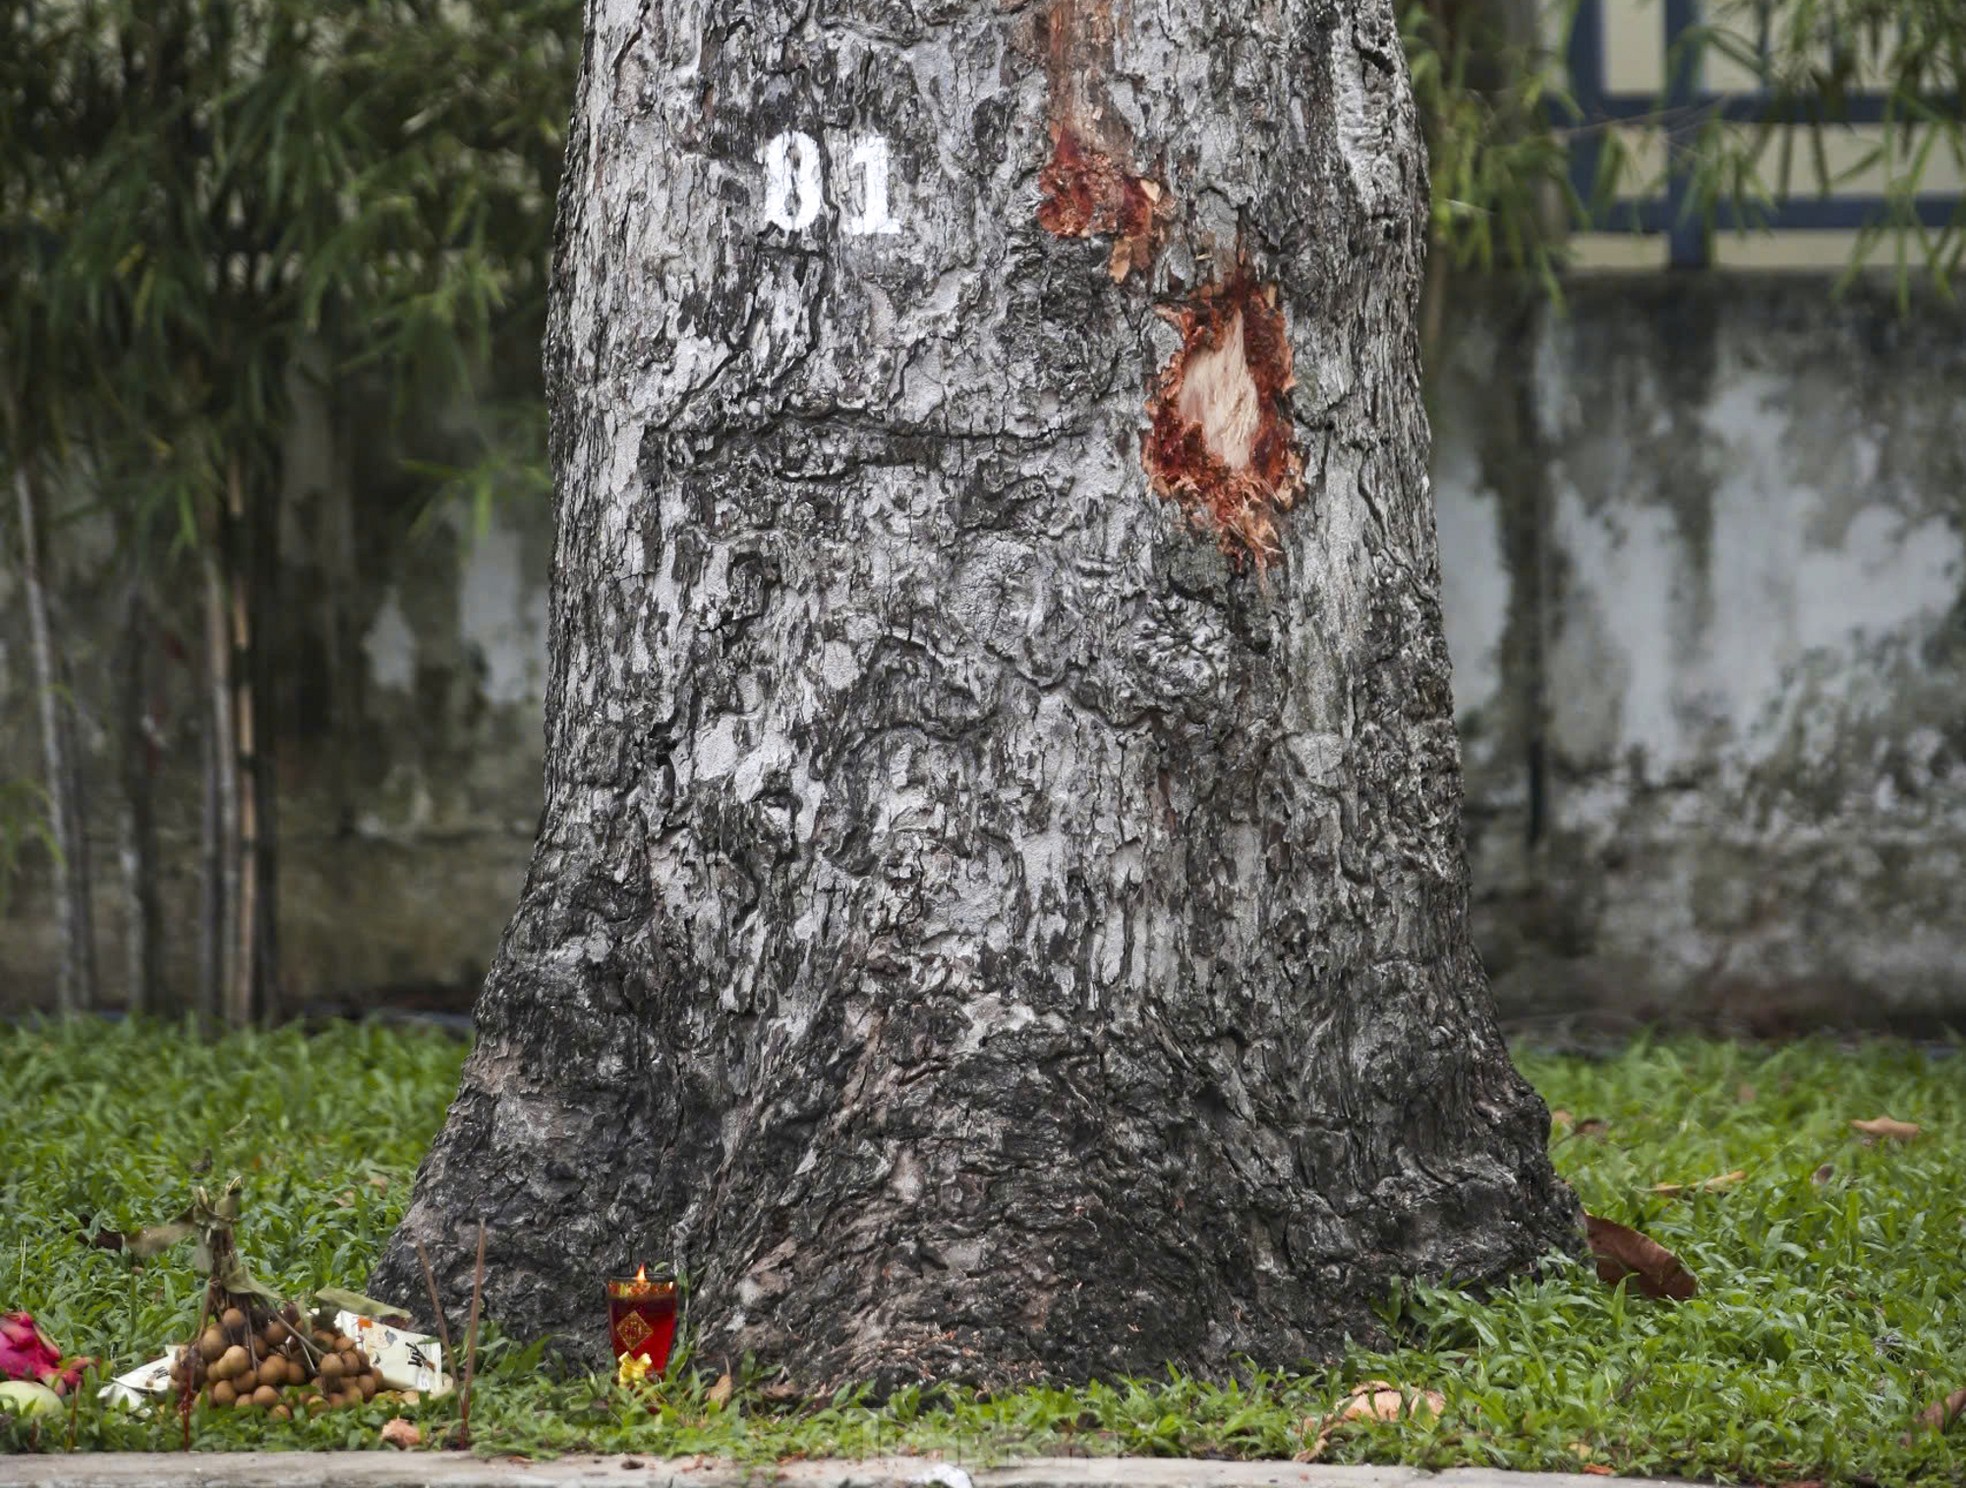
<point>142,1385</point>
<point>404,1360</point>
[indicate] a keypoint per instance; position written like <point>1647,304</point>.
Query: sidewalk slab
<point>453,1470</point>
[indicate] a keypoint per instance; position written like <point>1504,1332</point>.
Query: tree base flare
<point>974,934</point>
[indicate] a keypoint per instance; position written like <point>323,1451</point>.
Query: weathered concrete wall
<point>1702,546</point>
<point>1705,585</point>
<point>407,705</point>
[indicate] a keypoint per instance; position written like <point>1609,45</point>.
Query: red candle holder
<point>642,1317</point>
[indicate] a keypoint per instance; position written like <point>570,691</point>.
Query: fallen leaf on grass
<point>1719,1184</point>
<point>1561,1117</point>
<point>1375,1400</point>
<point>401,1433</point>
<point>1745,1093</point>
<point>1621,1251</point>
<point>1942,1413</point>
<point>1378,1400</point>
<point>1879,1128</point>
<point>720,1391</point>
<point>1823,1174</point>
<point>1593,1126</point>
<point>1599,1470</point>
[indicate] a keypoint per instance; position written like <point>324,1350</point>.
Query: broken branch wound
<point>1086,190</point>
<point>1083,193</point>
<point>1219,440</point>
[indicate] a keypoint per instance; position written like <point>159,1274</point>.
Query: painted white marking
<point>869,153</point>
<point>792,190</point>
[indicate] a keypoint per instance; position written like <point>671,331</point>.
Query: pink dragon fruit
<point>26,1354</point>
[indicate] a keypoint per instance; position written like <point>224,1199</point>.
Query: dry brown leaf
<point>1880,1128</point>
<point>1942,1413</point>
<point>720,1391</point>
<point>1823,1174</point>
<point>1318,1433</point>
<point>1383,1400</point>
<point>1599,1470</point>
<point>1718,1184</point>
<point>1593,1126</point>
<point>401,1433</point>
<point>1561,1117</point>
<point>1375,1400</point>
<point>1621,1251</point>
<point>1380,1400</point>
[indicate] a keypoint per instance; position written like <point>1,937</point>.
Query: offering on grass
<point>252,1358</point>
<point>642,1319</point>
<point>393,1358</point>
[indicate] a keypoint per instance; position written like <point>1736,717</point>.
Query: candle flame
<point>641,1273</point>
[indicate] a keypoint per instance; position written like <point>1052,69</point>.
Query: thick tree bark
<point>999,909</point>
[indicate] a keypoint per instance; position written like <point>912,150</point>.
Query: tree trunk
<point>262,566</point>
<point>75,987</point>
<point>242,984</point>
<point>219,822</point>
<point>1000,908</point>
<point>143,927</point>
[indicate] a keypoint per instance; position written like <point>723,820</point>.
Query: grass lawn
<point>1832,1303</point>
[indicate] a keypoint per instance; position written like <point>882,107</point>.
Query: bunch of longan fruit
<point>252,1359</point>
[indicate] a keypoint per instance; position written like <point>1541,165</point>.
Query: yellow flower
<point>633,1369</point>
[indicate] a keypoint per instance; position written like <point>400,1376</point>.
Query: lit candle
<point>642,1317</point>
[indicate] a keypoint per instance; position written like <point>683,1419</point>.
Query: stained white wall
<point>1738,696</point>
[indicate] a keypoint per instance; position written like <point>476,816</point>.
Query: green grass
<point>1832,1307</point>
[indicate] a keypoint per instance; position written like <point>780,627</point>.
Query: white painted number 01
<point>795,191</point>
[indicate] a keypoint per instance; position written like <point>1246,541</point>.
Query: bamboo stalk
<point>221,800</point>
<point>76,985</point>
<point>241,999</point>
<point>143,929</point>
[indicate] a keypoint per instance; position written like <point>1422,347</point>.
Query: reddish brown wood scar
<point>1086,190</point>
<point>1220,441</point>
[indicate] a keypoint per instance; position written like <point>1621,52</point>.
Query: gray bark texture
<point>1000,909</point>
